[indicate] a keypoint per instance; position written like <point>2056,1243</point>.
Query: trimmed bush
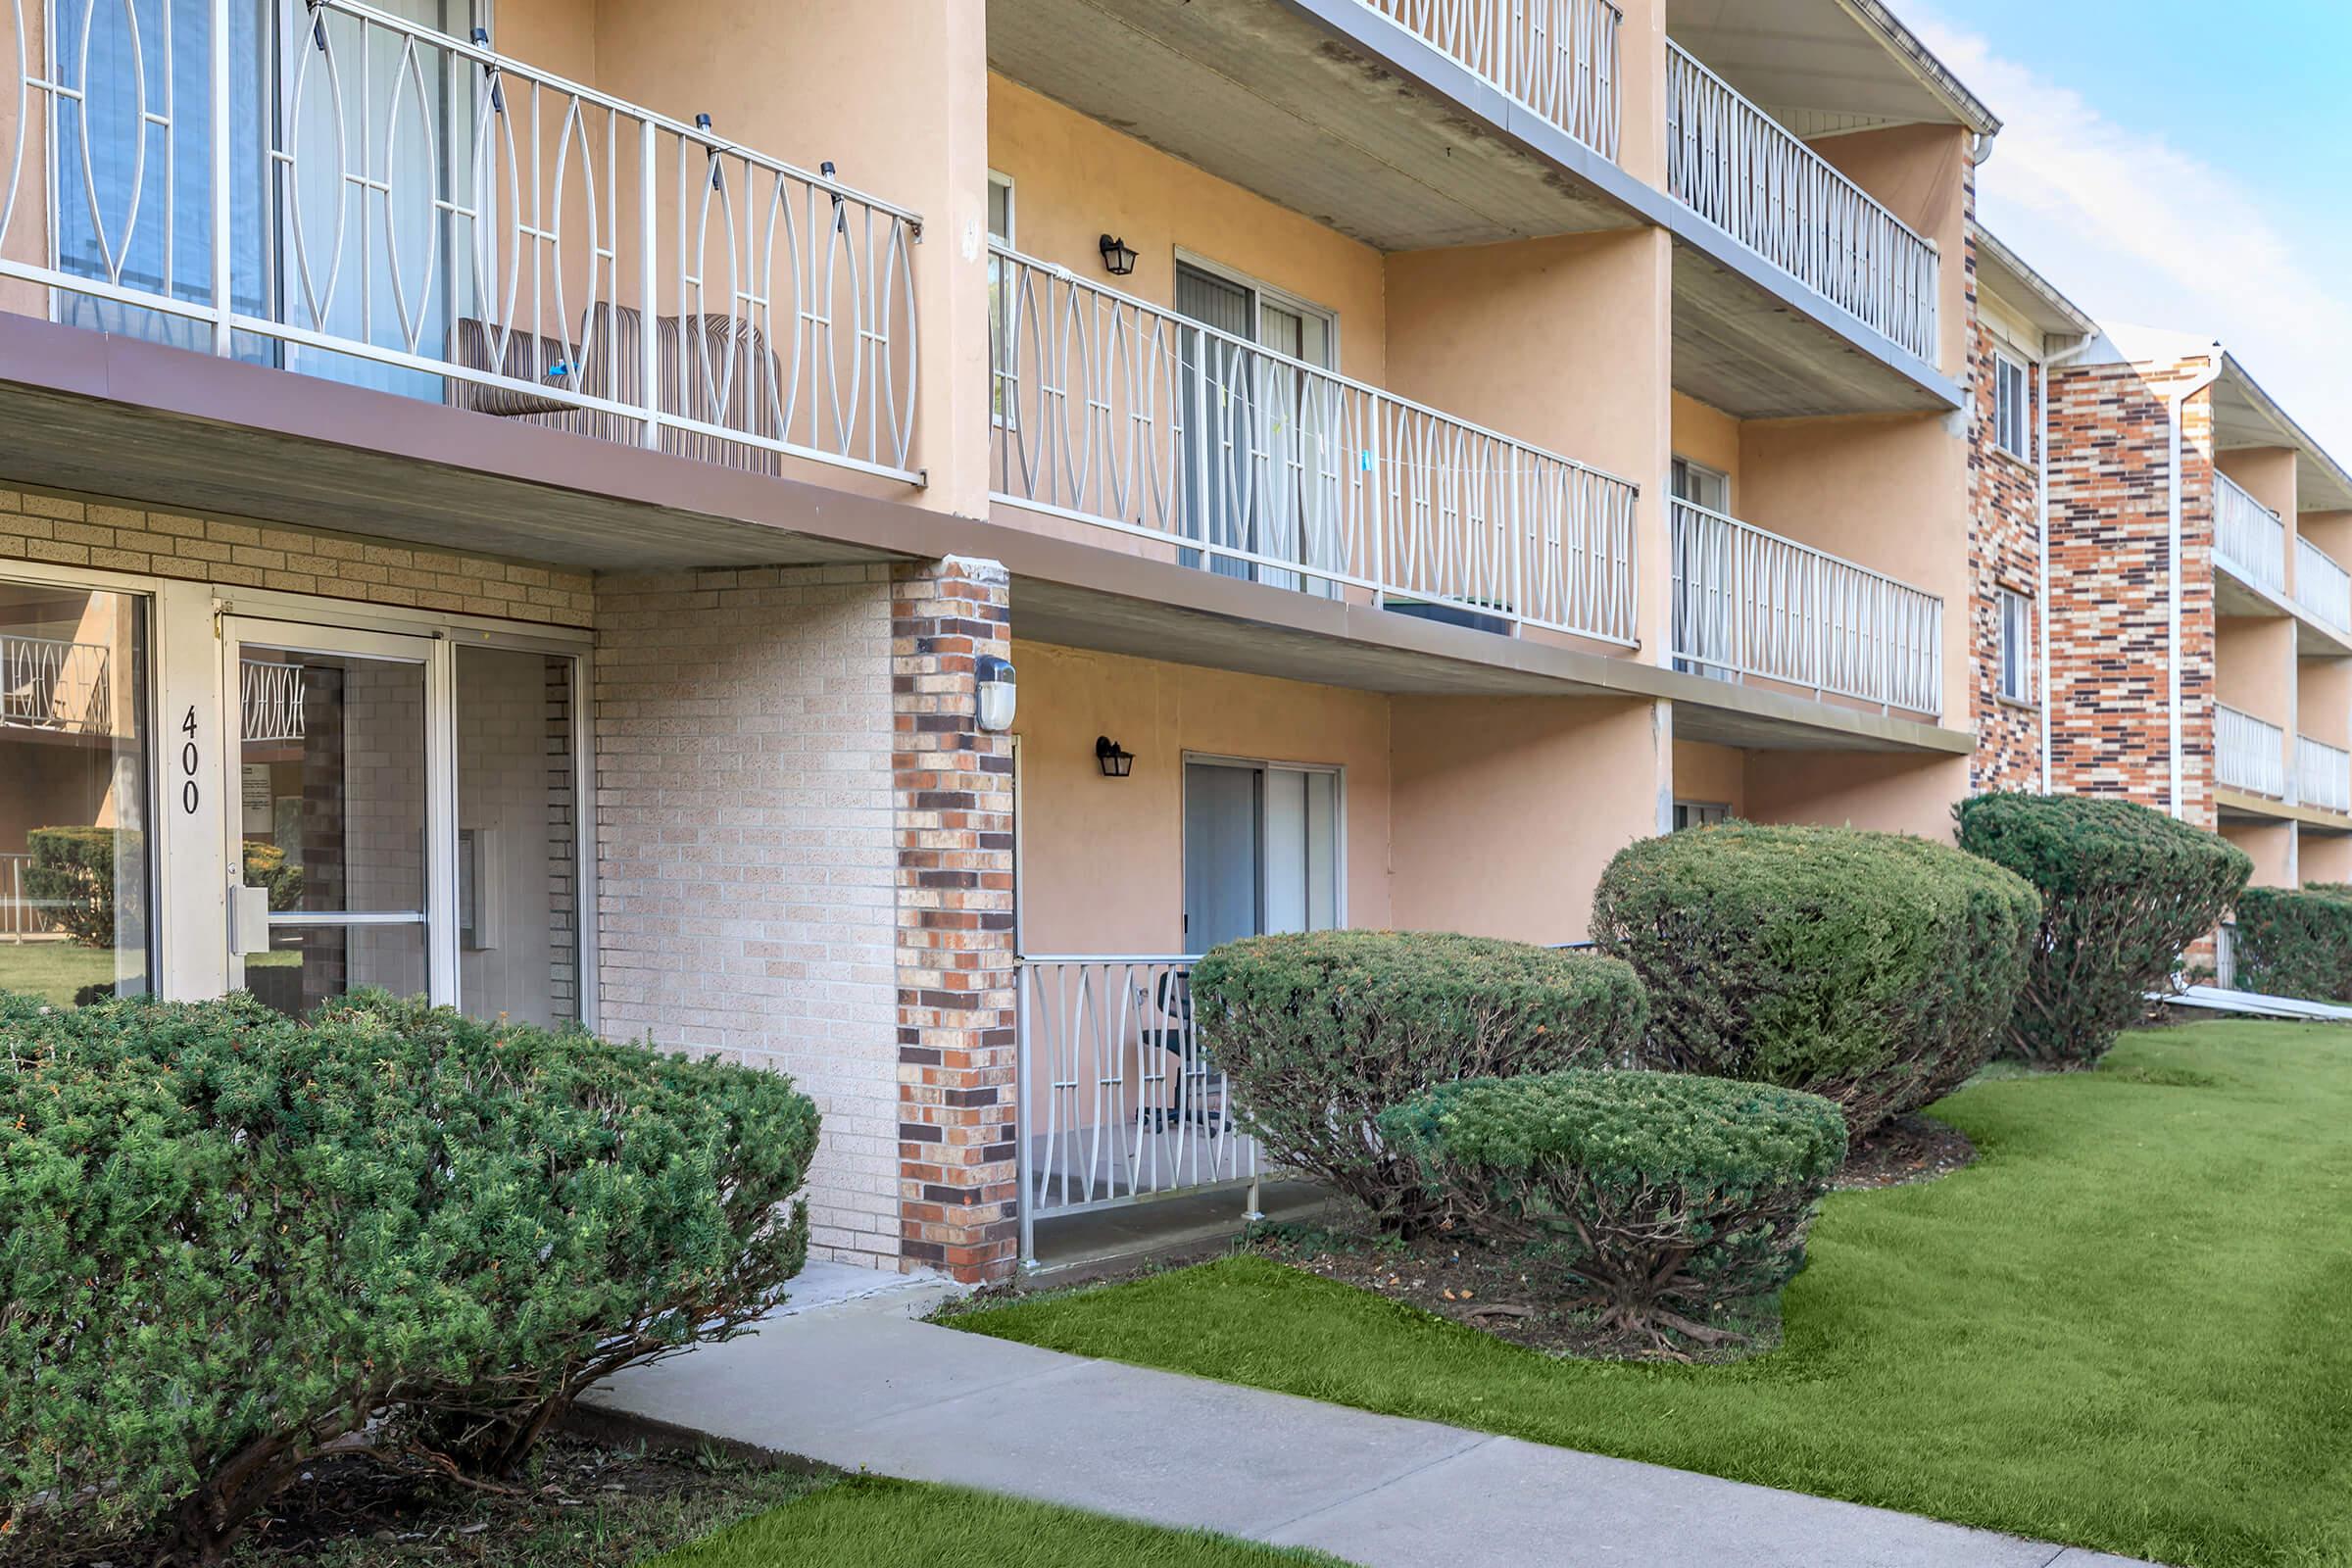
<point>2124,890</point>
<point>1320,1032</point>
<point>1873,969</point>
<point>231,1244</point>
<point>2296,944</point>
<point>1664,1195</point>
<point>72,870</point>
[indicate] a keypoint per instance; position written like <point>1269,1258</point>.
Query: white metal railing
<point>269,701</point>
<point>1116,1100</point>
<point>21,914</point>
<point>394,205</point>
<point>2249,539</point>
<point>2323,776</point>
<point>2249,753</point>
<point>1117,413</point>
<point>1557,57</point>
<point>53,685</point>
<point>1751,603</point>
<point>2321,586</point>
<point>1744,172</point>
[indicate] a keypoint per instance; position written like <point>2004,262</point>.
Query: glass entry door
<point>336,805</point>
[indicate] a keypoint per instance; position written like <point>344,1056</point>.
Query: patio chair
<point>1172,1001</point>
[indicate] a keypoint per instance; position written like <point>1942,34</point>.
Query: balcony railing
<point>1116,1101</point>
<point>2321,586</point>
<point>381,202</point>
<point>2323,776</point>
<point>49,683</point>
<point>2248,538</point>
<point>1744,172</point>
<point>1748,603</point>
<point>1557,57</point>
<point>1253,463</point>
<point>2249,753</point>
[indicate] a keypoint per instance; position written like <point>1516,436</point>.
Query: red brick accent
<point>2110,578</point>
<point>952,781</point>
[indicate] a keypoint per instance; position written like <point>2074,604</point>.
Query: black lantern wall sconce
<point>1115,760</point>
<point>1117,257</point>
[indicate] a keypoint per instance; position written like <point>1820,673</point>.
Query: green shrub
<point>72,870</point>
<point>2124,891</point>
<point>1870,968</point>
<point>2295,943</point>
<point>266,867</point>
<point>230,1243</point>
<point>1664,1195</point>
<point>1321,1032</point>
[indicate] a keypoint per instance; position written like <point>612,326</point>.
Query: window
<point>1700,814</point>
<point>1701,630</point>
<point>1000,209</point>
<point>2017,659</point>
<point>1261,851</point>
<point>1702,486</point>
<point>2012,408</point>
<point>1004,338</point>
<point>75,849</point>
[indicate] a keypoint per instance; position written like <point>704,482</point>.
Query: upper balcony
<point>381,204</point>
<point>2251,549</point>
<point>1215,452</point>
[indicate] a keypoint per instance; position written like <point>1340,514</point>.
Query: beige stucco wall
<point>1715,775</point>
<point>2254,667</point>
<point>1886,793</point>
<point>1102,859</point>
<point>1889,492</point>
<point>1920,173</point>
<point>2322,857</point>
<point>1076,179</point>
<point>1507,809</point>
<point>2272,845</point>
<point>1564,342</point>
<point>2324,700</point>
<point>1704,433</point>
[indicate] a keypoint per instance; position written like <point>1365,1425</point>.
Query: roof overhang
<point>2025,293</point>
<point>1822,67</point>
<point>2246,415</point>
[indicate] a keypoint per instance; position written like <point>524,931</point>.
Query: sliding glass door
<point>1261,851</point>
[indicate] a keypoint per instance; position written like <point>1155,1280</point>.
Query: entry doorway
<point>403,812</point>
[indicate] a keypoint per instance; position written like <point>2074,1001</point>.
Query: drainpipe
<point>2044,606</point>
<point>2178,405</point>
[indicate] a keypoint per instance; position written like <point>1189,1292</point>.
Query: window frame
<point>2012,409</point>
<point>2014,677</point>
<point>1262,765</point>
<point>1689,814</point>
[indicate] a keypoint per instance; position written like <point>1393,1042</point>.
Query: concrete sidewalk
<point>853,1377</point>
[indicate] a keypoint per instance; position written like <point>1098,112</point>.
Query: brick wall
<point>76,530</point>
<point>2110,578</point>
<point>2003,555</point>
<point>747,840</point>
<point>957,1030</point>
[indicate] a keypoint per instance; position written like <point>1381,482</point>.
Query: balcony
<point>1752,605</point>
<point>1221,454</point>
<point>2249,539</point>
<point>1557,58</point>
<point>2322,587</point>
<point>2249,753</point>
<point>428,217</point>
<point>2323,776</point>
<point>1737,166</point>
<point>54,685</point>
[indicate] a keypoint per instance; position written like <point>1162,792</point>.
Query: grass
<point>868,1521</point>
<point>2127,1327</point>
<point>53,970</point>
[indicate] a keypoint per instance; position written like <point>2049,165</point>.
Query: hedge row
<point>2296,944</point>
<point>230,1244</point>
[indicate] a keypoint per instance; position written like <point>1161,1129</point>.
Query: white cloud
<point>2136,229</point>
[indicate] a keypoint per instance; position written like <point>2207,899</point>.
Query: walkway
<point>858,1381</point>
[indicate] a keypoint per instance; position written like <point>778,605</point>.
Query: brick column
<point>952,784</point>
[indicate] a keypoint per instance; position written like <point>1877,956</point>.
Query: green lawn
<point>871,1522</point>
<point>2127,1327</point>
<point>53,970</point>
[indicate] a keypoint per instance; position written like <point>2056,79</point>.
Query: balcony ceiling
<point>1277,101</point>
<point>1826,66</point>
<point>1755,355</point>
<point>2245,415</point>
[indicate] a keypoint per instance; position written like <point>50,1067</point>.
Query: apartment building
<point>856,534</point>
<point>2219,691</point>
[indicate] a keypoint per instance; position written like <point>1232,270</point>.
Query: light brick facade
<point>746,850</point>
<point>2110,651</point>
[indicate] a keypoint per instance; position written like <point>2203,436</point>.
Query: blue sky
<point>2180,165</point>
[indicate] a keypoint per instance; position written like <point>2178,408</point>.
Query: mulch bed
<point>1903,1151</point>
